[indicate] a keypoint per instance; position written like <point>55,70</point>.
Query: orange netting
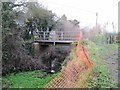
<point>76,70</point>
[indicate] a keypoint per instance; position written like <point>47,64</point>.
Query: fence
<point>76,71</point>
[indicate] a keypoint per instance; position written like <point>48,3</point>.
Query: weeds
<point>101,77</point>
<point>32,79</point>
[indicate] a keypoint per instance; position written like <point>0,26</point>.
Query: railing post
<point>62,35</point>
<point>54,43</point>
<point>44,35</point>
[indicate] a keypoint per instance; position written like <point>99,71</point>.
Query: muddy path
<point>110,58</point>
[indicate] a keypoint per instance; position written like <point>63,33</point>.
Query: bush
<point>56,54</point>
<point>15,57</point>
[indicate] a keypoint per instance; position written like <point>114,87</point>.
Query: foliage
<point>92,33</point>
<point>15,57</point>
<point>101,39</point>
<point>31,79</point>
<point>75,22</point>
<point>8,16</point>
<point>71,55</point>
<point>38,19</point>
<point>55,53</point>
<point>20,22</point>
<point>101,77</point>
<point>64,17</point>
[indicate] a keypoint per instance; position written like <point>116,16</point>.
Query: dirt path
<point>110,58</point>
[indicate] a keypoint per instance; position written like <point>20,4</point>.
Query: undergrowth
<point>101,77</point>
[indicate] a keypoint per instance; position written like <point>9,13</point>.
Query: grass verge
<point>101,77</point>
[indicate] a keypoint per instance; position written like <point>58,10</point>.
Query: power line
<point>76,8</point>
<point>72,7</point>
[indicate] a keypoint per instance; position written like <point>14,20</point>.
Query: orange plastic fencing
<point>76,70</point>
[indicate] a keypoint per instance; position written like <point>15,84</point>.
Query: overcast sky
<point>85,10</point>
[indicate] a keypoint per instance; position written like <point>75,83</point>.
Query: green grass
<point>31,79</point>
<point>101,78</point>
<point>101,74</point>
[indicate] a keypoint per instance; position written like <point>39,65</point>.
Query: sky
<point>85,10</point>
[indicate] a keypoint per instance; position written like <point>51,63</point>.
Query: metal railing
<point>58,35</point>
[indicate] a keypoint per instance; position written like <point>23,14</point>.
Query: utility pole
<point>96,20</point>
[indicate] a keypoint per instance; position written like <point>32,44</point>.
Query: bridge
<point>56,37</point>
<point>42,40</point>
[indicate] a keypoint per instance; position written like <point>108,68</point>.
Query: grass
<point>31,79</point>
<point>101,77</point>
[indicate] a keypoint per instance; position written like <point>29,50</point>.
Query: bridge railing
<point>58,35</point>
